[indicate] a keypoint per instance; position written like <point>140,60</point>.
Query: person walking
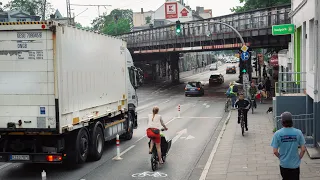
<point>285,143</point>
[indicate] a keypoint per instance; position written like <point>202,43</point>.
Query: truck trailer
<point>64,91</point>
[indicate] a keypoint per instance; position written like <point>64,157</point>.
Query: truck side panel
<point>26,79</point>
<point>92,71</point>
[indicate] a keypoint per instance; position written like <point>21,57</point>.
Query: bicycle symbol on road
<point>150,174</point>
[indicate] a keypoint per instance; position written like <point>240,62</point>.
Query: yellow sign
<point>244,48</point>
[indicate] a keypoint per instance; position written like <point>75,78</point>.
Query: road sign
<point>245,56</point>
<point>244,48</point>
<point>282,29</point>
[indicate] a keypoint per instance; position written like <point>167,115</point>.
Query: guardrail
<point>253,20</point>
<point>304,122</point>
<point>290,84</point>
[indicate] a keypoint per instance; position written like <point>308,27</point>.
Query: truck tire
<point>129,134</point>
<point>97,143</point>
<point>77,147</point>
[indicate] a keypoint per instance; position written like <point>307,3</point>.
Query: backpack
<point>235,89</point>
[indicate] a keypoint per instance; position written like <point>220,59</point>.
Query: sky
<point>85,15</point>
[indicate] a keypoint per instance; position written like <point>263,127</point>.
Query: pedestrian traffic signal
<point>178,27</point>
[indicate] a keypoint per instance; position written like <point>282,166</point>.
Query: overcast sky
<point>219,7</point>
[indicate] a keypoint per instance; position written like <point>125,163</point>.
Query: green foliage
<point>148,19</point>
<point>33,7</point>
<point>78,25</point>
<point>119,21</point>
<point>256,4</point>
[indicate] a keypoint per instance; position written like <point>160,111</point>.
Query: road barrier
<point>118,158</point>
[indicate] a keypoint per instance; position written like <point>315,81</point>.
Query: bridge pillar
<point>174,66</point>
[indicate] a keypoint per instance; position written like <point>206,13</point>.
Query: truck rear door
<point>27,100</point>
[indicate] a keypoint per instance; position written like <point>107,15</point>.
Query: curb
<point>214,149</point>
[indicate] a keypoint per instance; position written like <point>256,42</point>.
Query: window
<point>194,84</point>
<point>132,76</point>
<point>21,20</point>
<point>2,20</point>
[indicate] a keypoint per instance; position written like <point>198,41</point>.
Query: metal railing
<point>304,122</point>
<point>258,19</point>
<point>290,84</point>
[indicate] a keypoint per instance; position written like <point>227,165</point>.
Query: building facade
<point>170,12</point>
<point>299,77</point>
<point>17,16</point>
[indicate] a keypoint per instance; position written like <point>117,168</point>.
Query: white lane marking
<point>204,104</point>
<point>5,165</point>
<point>190,137</point>
<point>150,174</point>
<point>123,152</point>
<point>148,105</point>
<point>214,150</point>
<point>207,106</point>
<point>179,134</point>
<point>202,117</point>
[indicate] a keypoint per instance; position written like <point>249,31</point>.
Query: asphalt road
<point>190,133</point>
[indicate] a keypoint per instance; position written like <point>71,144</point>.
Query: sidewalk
<point>250,157</point>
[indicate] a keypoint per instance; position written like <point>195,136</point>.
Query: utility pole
<point>68,12</point>
<point>44,10</point>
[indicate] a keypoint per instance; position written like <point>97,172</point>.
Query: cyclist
<point>232,93</point>
<point>155,123</point>
<point>243,105</point>
<point>253,91</point>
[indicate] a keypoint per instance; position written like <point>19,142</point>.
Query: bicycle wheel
<point>226,107</point>
<point>154,163</point>
<point>242,125</point>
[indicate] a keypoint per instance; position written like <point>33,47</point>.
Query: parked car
<point>231,70</point>
<point>213,67</point>
<point>194,88</point>
<point>233,61</point>
<point>216,78</point>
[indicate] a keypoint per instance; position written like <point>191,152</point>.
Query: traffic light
<point>178,27</point>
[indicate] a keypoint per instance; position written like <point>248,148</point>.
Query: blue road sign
<point>245,56</point>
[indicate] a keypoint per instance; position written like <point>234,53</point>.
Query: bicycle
<point>165,146</point>
<point>253,102</point>
<point>242,121</point>
<point>227,104</point>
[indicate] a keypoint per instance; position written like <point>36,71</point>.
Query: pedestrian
<point>268,87</point>
<point>285,143</point>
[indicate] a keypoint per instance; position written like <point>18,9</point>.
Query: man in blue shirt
<point>285,143</point>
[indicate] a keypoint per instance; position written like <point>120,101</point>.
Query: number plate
<point>19,157</point>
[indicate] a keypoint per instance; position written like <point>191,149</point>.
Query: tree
<point>119,21</point>
<point>78,25</point>
<point>33,7</point>
<point>148,19</point>
<point>256,4</point>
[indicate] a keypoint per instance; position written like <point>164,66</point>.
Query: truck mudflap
<point>55,158</point>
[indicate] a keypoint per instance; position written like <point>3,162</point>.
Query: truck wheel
<point>77,146</point>
<point>97,144</point>
<point>82,145</point>
<point>129,134</point>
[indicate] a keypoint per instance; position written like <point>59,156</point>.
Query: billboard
<point>171,10</point>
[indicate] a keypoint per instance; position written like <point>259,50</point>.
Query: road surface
<point>191,133</point>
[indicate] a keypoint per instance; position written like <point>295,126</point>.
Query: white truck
<point>63,92</point>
